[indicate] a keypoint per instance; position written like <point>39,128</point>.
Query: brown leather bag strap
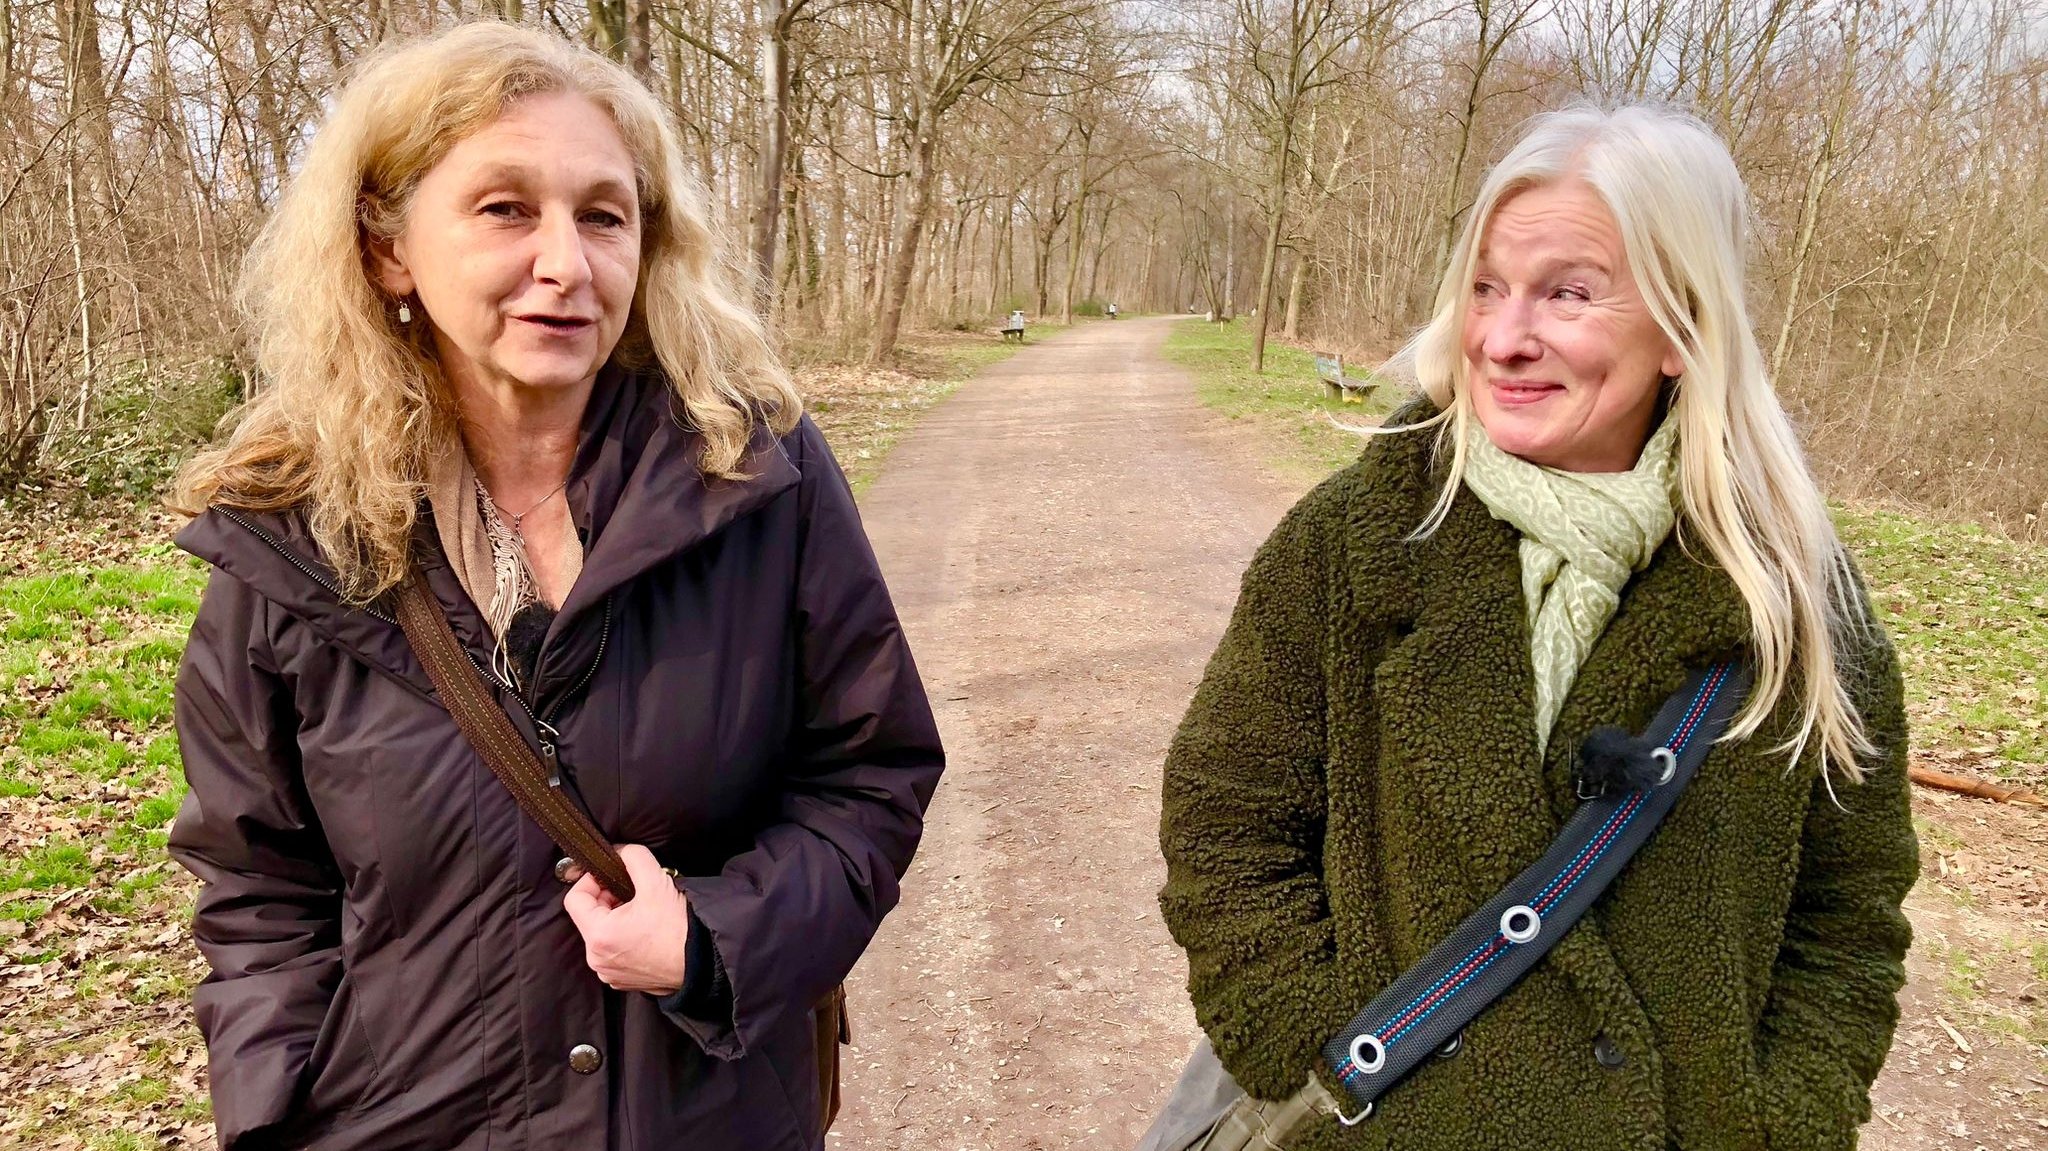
<point>474,705</point>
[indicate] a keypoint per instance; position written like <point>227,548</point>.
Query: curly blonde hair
<point>353,407</point>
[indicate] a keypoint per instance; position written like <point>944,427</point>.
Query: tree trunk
<point>838,262</point>
<point>1075,235</point>
<point>1292,330</point>
<point>1094,291</point>
<point>1223,311</point>
<point>998,234</point>
<point>774,149</point>
<point>85,101</point>
<point>1802,248</point>
<point>1816,188</point>
<point>639,38</point>
<point>953,264</point>
<point>269,113</point>
<point>84,293</point>
<point>1277,189</point>
<point>924,173</point>
<point>1041,268</point>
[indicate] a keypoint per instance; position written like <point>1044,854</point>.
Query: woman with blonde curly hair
<point>503,362</point>
<point>1412,818</point>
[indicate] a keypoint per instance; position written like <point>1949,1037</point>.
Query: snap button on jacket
<point>391,964</point>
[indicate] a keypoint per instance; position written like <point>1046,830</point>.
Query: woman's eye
<point>1571,295</point>
<point>504,209</point>
<point>604,219</point>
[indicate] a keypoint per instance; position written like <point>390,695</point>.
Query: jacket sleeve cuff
<point>703,1005</point>
<point>1270,1036</point>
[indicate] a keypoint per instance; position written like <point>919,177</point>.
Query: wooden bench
<point>1014,326</point>
<point>1342,388</point>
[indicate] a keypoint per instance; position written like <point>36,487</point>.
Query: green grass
<point>1974,978</point>
<point>89,784</point>
<point>1968,608</point>
<point>90,659</point>
<point>1969,612</point>
<point>1287,404</point>
<point>53,606</point>
<point>1936,836</point>
<point>53,866</point>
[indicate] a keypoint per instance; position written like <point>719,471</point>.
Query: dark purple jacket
<point>392,967</point>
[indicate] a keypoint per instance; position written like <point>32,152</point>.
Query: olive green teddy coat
<point>1358,771</point>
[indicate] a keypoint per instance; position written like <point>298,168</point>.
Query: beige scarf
<point>1583,535</point>
<point>488,557</point>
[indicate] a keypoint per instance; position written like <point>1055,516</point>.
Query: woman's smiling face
<point>523,247</point>
<point>1561,353</point>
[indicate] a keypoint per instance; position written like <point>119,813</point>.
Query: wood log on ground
<point>1964,785</point>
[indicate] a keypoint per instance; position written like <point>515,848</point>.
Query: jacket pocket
<point>343,1064</point>
<point>791,1059</point>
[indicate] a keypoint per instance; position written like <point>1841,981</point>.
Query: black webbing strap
<point>1496,945</point>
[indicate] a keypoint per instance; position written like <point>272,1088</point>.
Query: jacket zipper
<point>293,560</point>
<point>549,736</point>
<point>604,636</point>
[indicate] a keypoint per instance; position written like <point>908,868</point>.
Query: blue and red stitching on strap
<point>1480,958</point>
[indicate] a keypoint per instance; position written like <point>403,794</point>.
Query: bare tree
<point>954,49</point>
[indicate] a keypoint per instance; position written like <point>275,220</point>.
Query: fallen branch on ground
<point>1964,785</point>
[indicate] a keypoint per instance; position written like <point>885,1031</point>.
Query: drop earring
<point>404,312</point>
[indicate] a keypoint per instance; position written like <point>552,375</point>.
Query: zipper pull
<point>548,736</point>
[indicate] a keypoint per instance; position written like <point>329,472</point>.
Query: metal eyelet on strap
<point>1355,1120</point>
<point>1669,759</point>
<point>1520,923</point>
<point>1456,1044</point>
<point>1368,1043</point>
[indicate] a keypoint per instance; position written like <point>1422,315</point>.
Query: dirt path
<point>1064,537</point>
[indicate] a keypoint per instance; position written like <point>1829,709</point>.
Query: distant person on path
<point>1597,494</point>
<point>500,350</point>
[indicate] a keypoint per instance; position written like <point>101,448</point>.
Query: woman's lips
<point>556,325</point>
<point>1517,393</point>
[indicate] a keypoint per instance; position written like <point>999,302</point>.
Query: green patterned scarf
<point>1583,535</point>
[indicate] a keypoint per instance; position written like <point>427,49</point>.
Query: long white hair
<point>1747,495</point>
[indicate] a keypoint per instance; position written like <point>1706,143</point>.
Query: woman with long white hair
<point>525,497</point>
<point>1548,786</point>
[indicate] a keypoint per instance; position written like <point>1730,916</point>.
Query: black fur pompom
<point>1612,761</point>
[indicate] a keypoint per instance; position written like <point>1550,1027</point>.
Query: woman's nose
<point>1511,331</point>
<point>560,260</point>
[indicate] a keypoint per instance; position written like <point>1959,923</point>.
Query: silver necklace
<point>500,508</point>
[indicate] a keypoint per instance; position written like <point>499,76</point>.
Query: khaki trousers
<point>1264,1125</point>
<point>1208,1111</point>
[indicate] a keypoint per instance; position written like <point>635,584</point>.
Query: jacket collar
<point>273,553</point>
<point>639,498</point>
<point>635,494</point>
